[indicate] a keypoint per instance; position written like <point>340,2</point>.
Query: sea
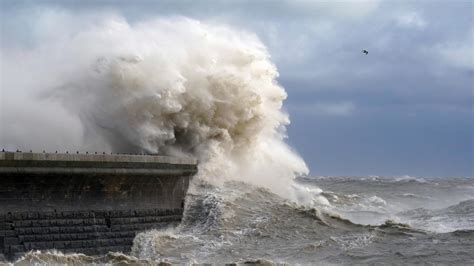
<point>348,220</point>
<point>182,87</point>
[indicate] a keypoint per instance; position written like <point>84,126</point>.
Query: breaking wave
<point>452,218</point>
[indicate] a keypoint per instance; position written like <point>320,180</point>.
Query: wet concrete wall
<point>86,202</point>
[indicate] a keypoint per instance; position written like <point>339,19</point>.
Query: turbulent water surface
<point>347,220</point>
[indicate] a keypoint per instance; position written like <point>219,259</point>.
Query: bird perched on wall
<point>365,51</point>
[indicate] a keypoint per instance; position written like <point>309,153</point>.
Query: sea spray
<point>174,86</point>
<point>177,87</point>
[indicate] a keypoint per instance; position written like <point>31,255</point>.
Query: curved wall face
<point>87,203</point>
<point>50,192</point>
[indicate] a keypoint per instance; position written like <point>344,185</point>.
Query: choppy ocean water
<point>346,220</point>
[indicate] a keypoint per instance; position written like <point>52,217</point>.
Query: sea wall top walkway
<point>123,158</point>
<point>96,164</point>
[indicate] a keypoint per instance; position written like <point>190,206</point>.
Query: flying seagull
<point>365,51</point>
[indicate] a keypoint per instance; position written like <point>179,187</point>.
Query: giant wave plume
<point>172,86</point>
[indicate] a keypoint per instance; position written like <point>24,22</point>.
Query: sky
<point>405,108</point>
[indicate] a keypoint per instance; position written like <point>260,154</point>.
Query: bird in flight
<point>365,51</point>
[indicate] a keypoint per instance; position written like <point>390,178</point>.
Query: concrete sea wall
<point>88,203</point>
